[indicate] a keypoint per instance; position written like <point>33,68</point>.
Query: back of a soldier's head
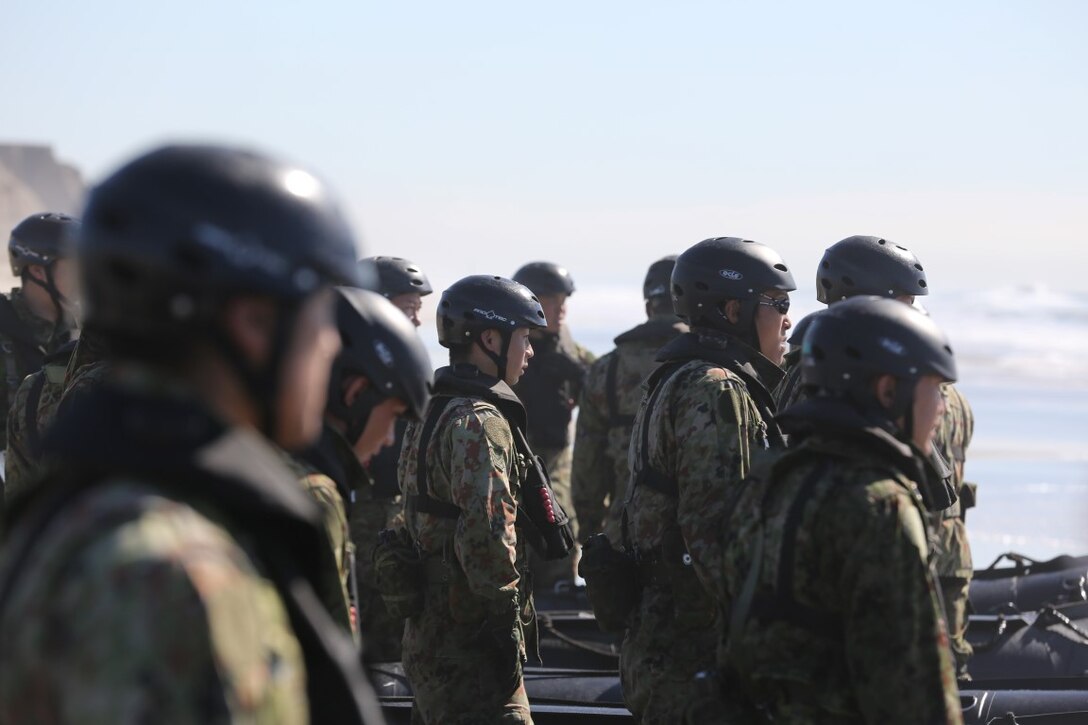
<point>863,265</point>
<point>656,287</point>
<point>219,259</point>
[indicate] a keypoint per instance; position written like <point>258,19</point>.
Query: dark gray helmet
<point>178,229</point>
<point>861,265</point>
<point>381,344</point>
<point>483,302</point>
<point>41,239</point>
<point>726,268</point>
<point>398,276</point>
<point>659,278</point>
<point>545,278</point>
<point>852,342</point>
<point>797,333</point>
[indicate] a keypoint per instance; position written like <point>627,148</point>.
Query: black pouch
<point>399,573</point>
<point>545,523</point>
<point>612,582</point>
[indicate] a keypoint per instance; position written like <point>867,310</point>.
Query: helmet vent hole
<point>900,246</point>
<point>825,283</point>
<point>919,268</point>
<point>948,349</point>
<point>848,281</point>
<point>922,283</point>
<point>701,286</point>
<point>540,314</point>
<point>853,353</point>
<point>882,241</point>
<point>677,290</point>
<point>417,283</point>
<point>825,264</point>
<point>445,303</point>
<point>781,267</point>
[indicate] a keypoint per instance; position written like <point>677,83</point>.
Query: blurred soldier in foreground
<point>607,407</point>
<point>708,412</point>
<point>833,613</point>
<point>382,375</point>
<point>550,389</point>
<point>168,568</point>
<point>862,265</point>
<point>377,503</point>
<point>36,318</point>
<point>474,497</point>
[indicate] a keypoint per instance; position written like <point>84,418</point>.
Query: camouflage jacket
<point>25,339</point>
<point>952,438</point>
<point>832,604</point>
<point>324,491</point>
<point>174,585</point>
<point>606,412</point>
<point>711,415</point>
<point>472,464</point>
<point>550,388</point>
<point>32,411</point>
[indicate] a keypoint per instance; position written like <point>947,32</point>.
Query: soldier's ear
<point>731,310</point>
<point>353,387</point>
<point>491,340</point>
<point>884,387</point>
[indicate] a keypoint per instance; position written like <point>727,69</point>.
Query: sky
<point>475,136</point>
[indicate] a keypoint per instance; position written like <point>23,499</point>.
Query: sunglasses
<point>781,305</point>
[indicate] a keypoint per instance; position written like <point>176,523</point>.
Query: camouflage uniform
<point>952,551</point>
<point>711,415</point>
<point>788,391</point>
<point>464,668</point>
<point>606,412</point>
<point>76,360</point>
<point>175,586</point>
<point>32,410</point>
<point>21,357</point>
<point>834,613</point>
<point>367,515</point>
<point>334,516</point>
<point>550,389</point>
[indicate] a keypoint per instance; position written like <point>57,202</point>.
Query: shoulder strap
<point>423,501</point>
<point>781,604</point>
<point>33,400</point>
<point>615,418</point>
<point>647,475</point>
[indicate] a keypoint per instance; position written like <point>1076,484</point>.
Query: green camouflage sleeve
<point>710,464</point>
<point>17,465</point>
<point>894,633</point>
<point>334,514</point>
<point>144,610</point>
<point>483,478</point>
<point>592,471</point>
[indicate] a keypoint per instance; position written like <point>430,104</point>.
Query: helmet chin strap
<point>55,295</point>
<point>359,412</point>
<point>262,381</point>
<point>500,359</point>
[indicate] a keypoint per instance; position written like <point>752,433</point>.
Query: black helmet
<point>797,333</point>
<point>379,343</point>
<point>398,276</point>
<point>545,278</point>
<point>179,228</point>
<point>659,278</point>
<point>853,341</point>
<point>726,268</point>
<point>868,266</point>
<point>483,302</point>
<point>41,239</point>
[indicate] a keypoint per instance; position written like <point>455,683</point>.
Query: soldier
<point>708,410</point>
<point>382,375</point>
<point>862,265</point>
<point>167,567</point>
<point>402,283</point>
<point>36,318</point>
<point>379,506</point>
<point>465,477</point>
<point>833,612</point>
<point>607,407</point>
<point>550,389</point>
